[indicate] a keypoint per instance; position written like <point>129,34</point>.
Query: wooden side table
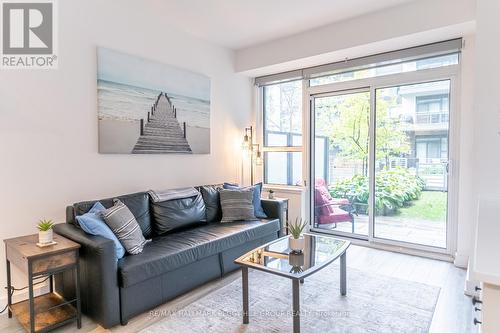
<point>47,311</point>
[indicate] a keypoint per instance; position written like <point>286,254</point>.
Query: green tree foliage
<point>283,107</point>
<point>345,120</point>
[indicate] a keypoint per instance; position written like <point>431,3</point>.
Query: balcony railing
<point>432,118</point>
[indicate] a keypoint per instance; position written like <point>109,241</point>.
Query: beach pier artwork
<point>145,107</point>
<point>162,133</point>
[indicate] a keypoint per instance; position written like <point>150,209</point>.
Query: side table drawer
<point>52,262</point>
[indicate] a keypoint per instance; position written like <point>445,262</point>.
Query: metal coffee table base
<point>295,293</point>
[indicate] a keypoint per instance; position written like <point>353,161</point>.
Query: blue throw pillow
<point>92,223</point>
<point>257,205</point>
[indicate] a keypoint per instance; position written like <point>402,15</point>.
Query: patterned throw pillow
<point>93,224</point>
<point>124,225</point>
<point>237,205</point>
<point>257,205</point>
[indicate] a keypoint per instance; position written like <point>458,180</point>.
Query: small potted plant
<point>271,194</point>
<point>296,240</point>
<point>45,231</point>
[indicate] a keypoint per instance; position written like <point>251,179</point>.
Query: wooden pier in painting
<point>161,132</point>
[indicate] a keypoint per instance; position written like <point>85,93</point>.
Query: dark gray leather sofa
<point>113,291</point>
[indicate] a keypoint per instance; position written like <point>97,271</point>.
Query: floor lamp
<point>253,149</point>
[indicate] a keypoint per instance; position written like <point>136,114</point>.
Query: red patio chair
<point>330,211</point>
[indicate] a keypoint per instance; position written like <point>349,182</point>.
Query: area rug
<point>374,303</point>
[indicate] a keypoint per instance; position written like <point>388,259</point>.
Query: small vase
<point>271,195</point>
<point>296,244</point>
<point>45,237</point>
<point>296,259</point>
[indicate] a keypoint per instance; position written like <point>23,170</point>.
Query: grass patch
<point>430,206</point>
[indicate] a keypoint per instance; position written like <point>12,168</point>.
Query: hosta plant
<point>394,189</point>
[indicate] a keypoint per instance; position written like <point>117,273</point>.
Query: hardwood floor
<point>453,312</point>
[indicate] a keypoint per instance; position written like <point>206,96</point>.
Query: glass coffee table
<point>276,258</point>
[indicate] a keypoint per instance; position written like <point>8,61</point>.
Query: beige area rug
<point>374,303</point>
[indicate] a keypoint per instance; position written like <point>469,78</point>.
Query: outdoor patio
<point>425,232</point>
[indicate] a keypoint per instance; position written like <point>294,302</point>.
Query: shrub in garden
<point>394,189</point>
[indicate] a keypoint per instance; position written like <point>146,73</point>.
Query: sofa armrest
<point>273,208</point>
<point>98,276</point>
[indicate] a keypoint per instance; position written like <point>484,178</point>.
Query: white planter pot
<point>296,245</point>
<point>45,237</point>
<point>271,195</point>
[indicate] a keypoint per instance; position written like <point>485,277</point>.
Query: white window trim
<point>292,149</point>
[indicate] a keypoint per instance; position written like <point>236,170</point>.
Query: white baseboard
<point>470,284</point>
<point>461,260</point>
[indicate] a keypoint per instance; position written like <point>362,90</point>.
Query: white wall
<point>411,24</point>
<point>487,138</point>
<point>487,103</point>
<point>48,119</point>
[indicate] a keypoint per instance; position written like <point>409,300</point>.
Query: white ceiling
<point>238,24</point>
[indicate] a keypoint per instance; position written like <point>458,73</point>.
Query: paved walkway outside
<point>432,233</point>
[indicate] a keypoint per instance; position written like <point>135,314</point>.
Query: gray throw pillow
<point>237,205</point>
<point>124,225</point>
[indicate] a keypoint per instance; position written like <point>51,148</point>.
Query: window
<point>428,148</point>
<point>376,70</point>
<point>283,114</point>
<point>282,104</point>
<point>376,132</point>
<point>432,109</point>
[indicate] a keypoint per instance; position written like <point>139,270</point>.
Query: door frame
<point>451,73</point>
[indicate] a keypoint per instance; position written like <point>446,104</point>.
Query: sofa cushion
<point>171,251</point>
<point>138,203</point>
<point>211,197</point>
<point>178,213</point>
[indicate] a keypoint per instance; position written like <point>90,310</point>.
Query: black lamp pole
<point>252,147</point>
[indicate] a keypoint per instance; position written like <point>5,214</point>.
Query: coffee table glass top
<point>276,257</point>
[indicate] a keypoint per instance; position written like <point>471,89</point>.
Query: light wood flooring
<point>453,311</point>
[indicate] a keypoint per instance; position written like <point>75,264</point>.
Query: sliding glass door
<point>380,163</point>
<point>411,163</point>
<point>341,173</point>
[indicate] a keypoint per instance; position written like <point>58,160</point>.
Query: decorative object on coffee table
<point>273,258</point>
<point>296,240</point>
<point>271,194</point>
<point>296,260</point>
<point>45,234</point>
<point>47,311</point>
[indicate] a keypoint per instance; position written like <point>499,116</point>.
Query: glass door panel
<point>411,163</point>
<point>341,144</point>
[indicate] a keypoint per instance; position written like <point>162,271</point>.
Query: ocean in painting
<point>123,102</point>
